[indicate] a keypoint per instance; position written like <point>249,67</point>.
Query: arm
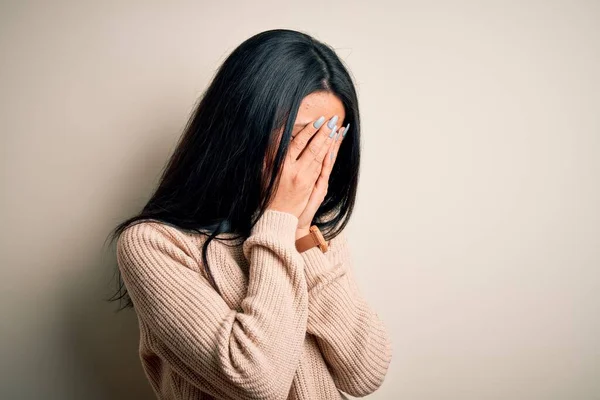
<point>236,355</point>
<point>353,339</point>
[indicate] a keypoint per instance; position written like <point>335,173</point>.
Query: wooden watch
<point>313,239</point>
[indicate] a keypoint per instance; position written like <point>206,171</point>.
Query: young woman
<point>270,309</point>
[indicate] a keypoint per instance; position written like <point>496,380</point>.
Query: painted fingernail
<point>346,130</point>
<point>317,124</point>
<point>332,122</point>
<point>331,155</point>
<point>333,131</point>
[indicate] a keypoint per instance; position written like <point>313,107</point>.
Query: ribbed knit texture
<point>288,325</point>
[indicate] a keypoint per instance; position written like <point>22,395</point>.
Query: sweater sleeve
<point>353,339</point>
<point>250,354</point>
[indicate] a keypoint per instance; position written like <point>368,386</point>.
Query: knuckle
<point>298,145</point>
<point>296,178</point>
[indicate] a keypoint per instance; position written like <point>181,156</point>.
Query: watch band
<point>313,239</point>
<point>306,242</point>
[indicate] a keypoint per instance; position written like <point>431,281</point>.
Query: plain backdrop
<point>476,235</point>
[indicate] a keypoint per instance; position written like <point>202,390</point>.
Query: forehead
<point>320,103</point>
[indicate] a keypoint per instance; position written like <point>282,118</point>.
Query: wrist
<point>303,231</point>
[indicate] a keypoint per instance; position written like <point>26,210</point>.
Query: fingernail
<point>331,155</point>
<point>332,122</point>
<point>346,130</point>
<point>333,131</point>
<point>317,124</point>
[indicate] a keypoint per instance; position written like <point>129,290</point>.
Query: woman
<point>271,150</point>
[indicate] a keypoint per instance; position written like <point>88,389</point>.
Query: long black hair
<point>213,182</point>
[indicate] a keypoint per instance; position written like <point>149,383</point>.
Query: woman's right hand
<point>302,167</point>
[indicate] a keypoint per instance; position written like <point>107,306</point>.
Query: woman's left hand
<point>320,190</point>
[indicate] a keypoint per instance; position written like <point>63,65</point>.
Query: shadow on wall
<point>103,345</point>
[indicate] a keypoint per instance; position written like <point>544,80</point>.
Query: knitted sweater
<point>288,325</point>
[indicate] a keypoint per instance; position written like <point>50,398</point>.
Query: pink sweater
<point>289,325</point>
